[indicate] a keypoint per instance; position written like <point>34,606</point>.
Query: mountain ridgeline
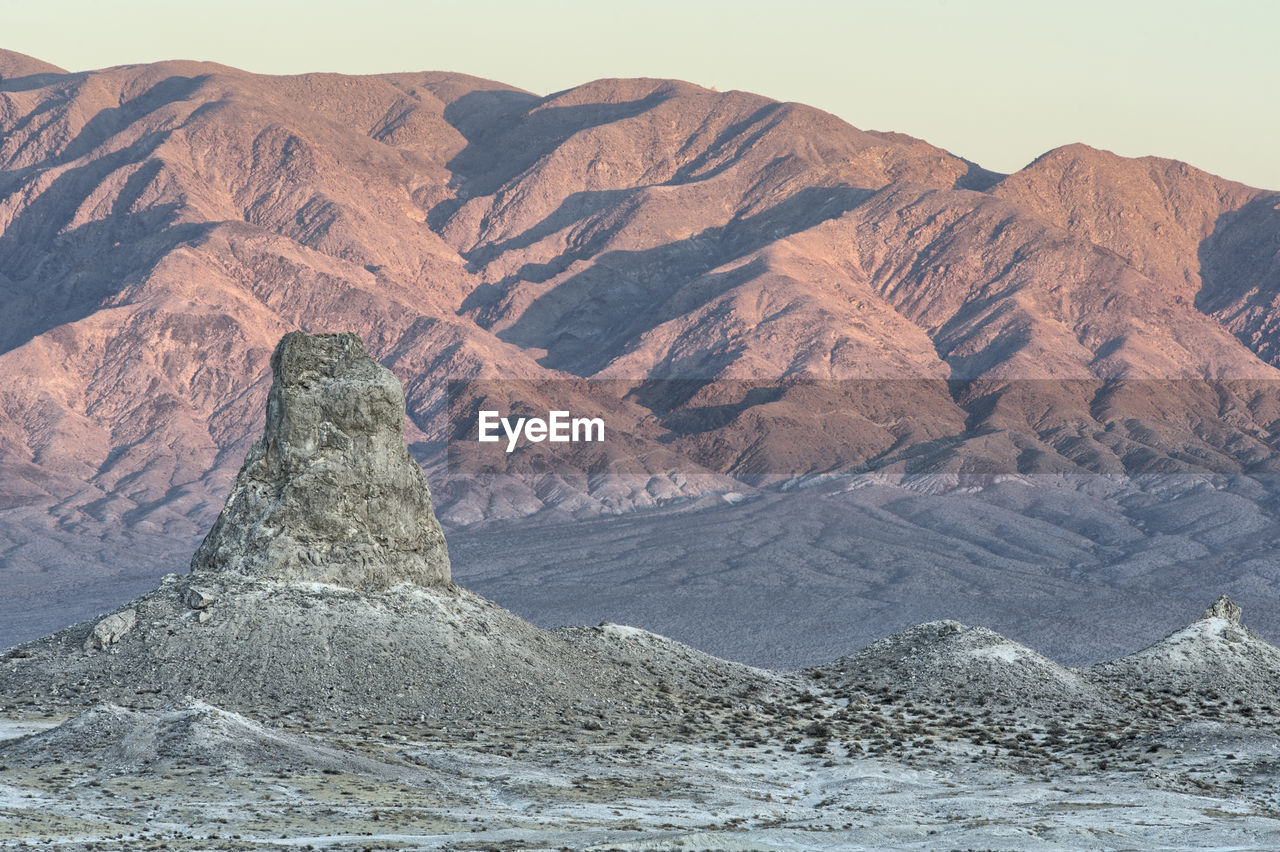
<point>769,290</point>
<point>162,225</point>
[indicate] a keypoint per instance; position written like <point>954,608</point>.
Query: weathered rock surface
<point>1224,608</point>
<point>111,629</point>
<point>272,648</point>
<point>329,493</point>
<point>303,650</point>
<point>200,598</point>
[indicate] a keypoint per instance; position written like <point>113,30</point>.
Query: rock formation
<point>1225,608</point>
<point>329,493</point>
<point>111,629</point>
<point>323,589</point>
<point>962,665</point>
<point>1214,657</point>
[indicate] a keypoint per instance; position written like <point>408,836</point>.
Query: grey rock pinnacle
<point>1226,608</point>
<point>329,492</point>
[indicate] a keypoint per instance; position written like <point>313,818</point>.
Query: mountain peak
<point>1075,150</point>
<point>14,65</point>
<point>1224,608</point>
<point>1081,155</point>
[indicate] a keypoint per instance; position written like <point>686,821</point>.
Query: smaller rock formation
<point>1224,607</point>
<point>329,493</point>
<point>111,629</point>
<point>1214,658</point>
<point>199,597</point>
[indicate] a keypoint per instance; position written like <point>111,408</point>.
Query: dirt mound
<point>671,665</point>
<point>312,650</point>
<point>190,734</point>
<point>949,662</point>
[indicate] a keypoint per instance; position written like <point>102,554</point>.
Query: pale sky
<point>996,81</point>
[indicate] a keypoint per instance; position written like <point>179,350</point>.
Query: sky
<point>995,81</point>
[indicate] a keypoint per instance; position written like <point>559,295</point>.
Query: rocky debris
<point>504,793</point>
<point>601,716</point>
<point>329,493</point>
<point>200,597</point>
<point>111,629</point>
<point>274,649</point>
<point>1225,608</point>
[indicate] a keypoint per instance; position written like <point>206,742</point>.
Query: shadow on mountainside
<point>103,124</point>
<point>108,122</point>
<point>31,82</point>
<point>506,136</point>
<point>60,276</point>
<point>588,319</point>
<point>1240,275</point>
<point>759,123</point>
<point>977,178</point>
<point>575,208</point>
<point>98,266</point>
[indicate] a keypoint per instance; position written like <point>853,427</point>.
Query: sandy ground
<point>414,788</point>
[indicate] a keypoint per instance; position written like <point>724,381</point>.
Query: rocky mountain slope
<point>163,224</point>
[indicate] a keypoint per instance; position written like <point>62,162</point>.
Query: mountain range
<point>770,293</point>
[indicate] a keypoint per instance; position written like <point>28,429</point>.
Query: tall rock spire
<point>329,492</point>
